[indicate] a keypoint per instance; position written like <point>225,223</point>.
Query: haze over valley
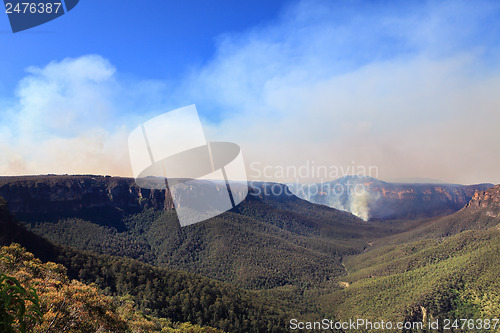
<point>250,166</point>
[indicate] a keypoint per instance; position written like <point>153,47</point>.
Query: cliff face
<point>105,200</point>
<point>421,200</point>
<point>370,198</point>
<point>36,197</point>
<point>487,201</point>
<point>101,199</point>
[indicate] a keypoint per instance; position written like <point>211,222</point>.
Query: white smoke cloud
<point>359,206</point>
<point>61,120</point>
<point>410,89</point>
<point>360,201</point>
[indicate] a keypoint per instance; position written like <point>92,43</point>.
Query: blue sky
<point>409,87</point>
<point>153,39</point>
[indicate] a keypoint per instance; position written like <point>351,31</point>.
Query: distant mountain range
<point>296,241</point>
<point>278,255</point>
<point>111,198</point>
<point>440,268</point>
<point>370,198</point>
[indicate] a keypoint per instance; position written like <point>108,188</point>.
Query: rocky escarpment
<point>101,198</point>
<point>371,198</point>
<point>487,201</point>
<point>481,212</point>
<point>421,200</point>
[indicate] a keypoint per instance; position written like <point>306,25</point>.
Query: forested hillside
<point>273,258</point>
<point>160,292</point>
<point>447,268</point>
<point>55,303</point>
<point>267,241</point>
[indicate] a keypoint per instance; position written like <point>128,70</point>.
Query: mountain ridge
<point>442,268</point>
<point>303,255</point>
<point>297,242</point>
<point>164,292</point>
<point>370,198</point>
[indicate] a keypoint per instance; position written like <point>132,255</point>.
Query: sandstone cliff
<point>101,198</point>
<point>371,198</point>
